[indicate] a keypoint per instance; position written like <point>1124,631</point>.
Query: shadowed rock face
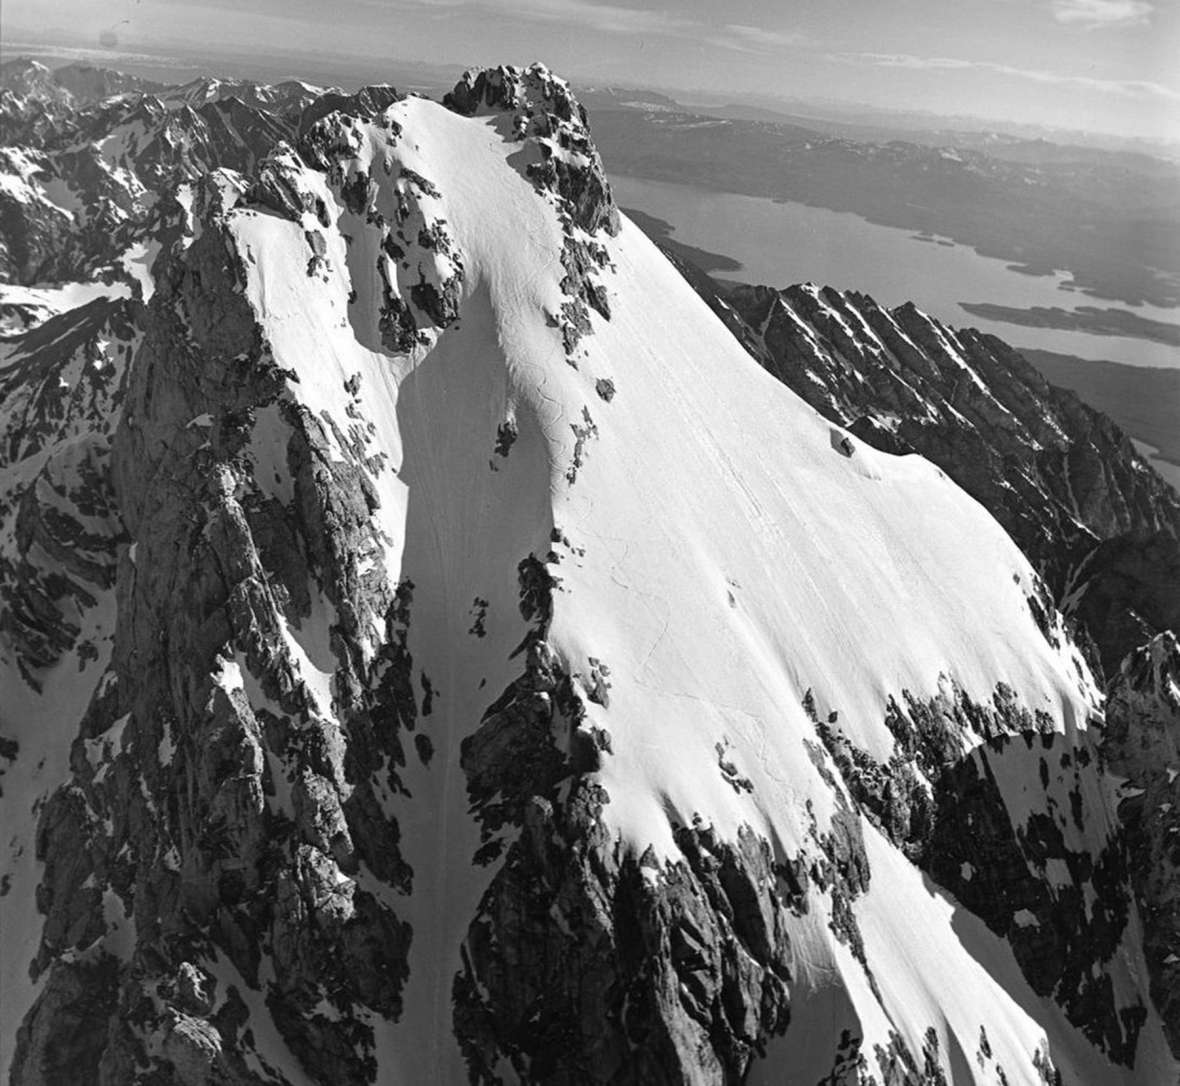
<point>1060,907</point>
<point>653,974</point>
<point>1143,744</point>
<point>1049,877</point>
<point>1125,592</point>
<point>215,871</point>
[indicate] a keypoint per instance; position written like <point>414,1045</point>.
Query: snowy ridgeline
<point>504,675</point>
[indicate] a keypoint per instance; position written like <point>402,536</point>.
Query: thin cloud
<point>1097,14</point>
<point>607,18</point>
<point>611,18</point>
<point>1124,88</point>
<point>619,19</point>
<point>754,39</point>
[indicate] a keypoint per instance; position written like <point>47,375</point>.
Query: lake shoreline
<point>778,243</point>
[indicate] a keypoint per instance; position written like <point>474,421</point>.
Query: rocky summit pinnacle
<point>435,650</point>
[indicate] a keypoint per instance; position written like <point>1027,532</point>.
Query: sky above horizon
<point>1098,65</point>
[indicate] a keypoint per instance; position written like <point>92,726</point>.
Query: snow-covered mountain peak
<point>546,115</point>
<point>68,84</point>
<point>287,97</point>
<point>510,679</point>
<point>522,91</point>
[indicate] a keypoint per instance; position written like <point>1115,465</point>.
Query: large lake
<point>783,243</point>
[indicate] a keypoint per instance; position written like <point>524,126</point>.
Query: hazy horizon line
<point>207,63</point>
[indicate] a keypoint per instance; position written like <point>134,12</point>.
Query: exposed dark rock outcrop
<point>546,115</point>
<point>1125,592</point>
<point>1044,874</point>
<point>1047,881</point>
<point>1142,744</point>
<point>653,972</point>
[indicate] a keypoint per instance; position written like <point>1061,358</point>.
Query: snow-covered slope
<point>513,681</point>
<point>1058,475</point>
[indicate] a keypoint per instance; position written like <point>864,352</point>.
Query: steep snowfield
<point>867,574</point>
<point>725,556</point>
